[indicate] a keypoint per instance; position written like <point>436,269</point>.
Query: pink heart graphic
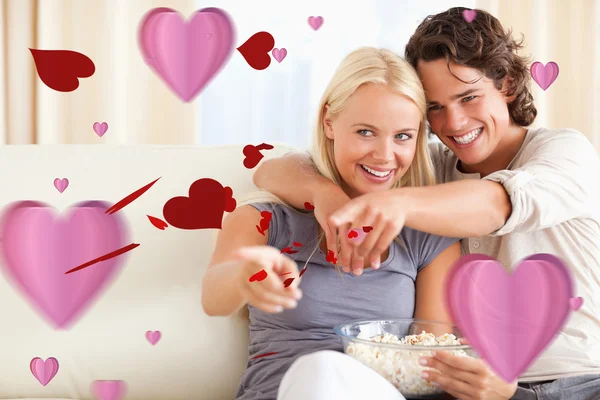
<point>315,22</point>
<point>469,15</point>
<point>575,303</point>
<point>153,337</point>
<point>509,319</point>
<point>100,128</point>
<point>38,248</point>
<point>279,54</point>
<point>44,371</point>
<point>109,390</point>
<point>61,184</point>
<point>186,55</point>
<point>544,75</point>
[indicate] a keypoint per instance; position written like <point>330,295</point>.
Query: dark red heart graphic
<point>259,276</point>
<point>352,234</point>
<point>60,69</point>
<point>256,50</point>
<point>253,154</point>
<point>367,229</point>
<point>309,206</point>
<point>203,209</point>
<point>288,250</point>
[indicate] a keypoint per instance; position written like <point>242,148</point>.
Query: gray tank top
<point>328,298</point>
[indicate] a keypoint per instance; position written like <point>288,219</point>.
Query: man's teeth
<point>468,138</point>
<point>376,173</point>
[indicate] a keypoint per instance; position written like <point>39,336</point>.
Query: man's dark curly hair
<point>481,44</point>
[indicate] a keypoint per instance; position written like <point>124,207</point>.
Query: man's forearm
<point>291,177</point>
<point>467,208</point>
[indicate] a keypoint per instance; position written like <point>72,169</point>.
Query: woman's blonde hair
<point>362,66</point>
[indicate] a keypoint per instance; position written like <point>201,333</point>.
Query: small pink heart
<point>61,184</point>
<point>279,54</point>
<point>153,337</point>
<point>109,390</point>
<point>315,22</point>
<point>469,15</point>
<point>544,75</point>
<point>44,371</point>
<point>575,303</point>
<point>100,128</point>
<point>509,319</point>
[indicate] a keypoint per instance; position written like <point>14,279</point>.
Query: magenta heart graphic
<point>153,337</point>
<point>544,75</point>
<point>44,371</point>
<point>315,22</point>
<point>279,54</point>
<point>575,303</point>
<point>100,128</point>
<point>109,390</point>
<point>38,248</point>
<point>61,184</point>
<point>509,319</point>
<point>469,15</point>
<point>186,55</point>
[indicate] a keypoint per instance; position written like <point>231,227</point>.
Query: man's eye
<point>433,108</point>
<point>468,98</point>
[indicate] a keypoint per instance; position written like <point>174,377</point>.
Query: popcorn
<point>401,367</point>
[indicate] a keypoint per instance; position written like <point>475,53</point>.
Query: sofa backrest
<point>156,288</point>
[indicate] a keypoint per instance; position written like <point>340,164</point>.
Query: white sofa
<point>157,288</point>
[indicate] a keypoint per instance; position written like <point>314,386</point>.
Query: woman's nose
<point>384,151</point>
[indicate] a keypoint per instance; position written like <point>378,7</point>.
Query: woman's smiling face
<point>375,134</point>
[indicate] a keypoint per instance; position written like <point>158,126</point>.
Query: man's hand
<point>384,211</point>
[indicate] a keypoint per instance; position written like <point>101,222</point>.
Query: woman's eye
<point>406,136</point>
<point>362,132</point>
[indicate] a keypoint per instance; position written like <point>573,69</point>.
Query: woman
<point>370,137</point>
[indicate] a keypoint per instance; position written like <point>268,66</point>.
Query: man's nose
<point>455,119</point>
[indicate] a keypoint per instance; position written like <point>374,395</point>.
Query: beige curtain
<point>123,92</point>
<point>568,33</point>
<point>139,108</point>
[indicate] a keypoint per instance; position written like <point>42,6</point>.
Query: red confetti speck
<point>264,355</point>
<point>259,276</point>
<point>157,222</point>
<point>302,272</point>
<point>309,206</point>
<point>297,244</point>
<point>288,282</point>
<point>330,257</point>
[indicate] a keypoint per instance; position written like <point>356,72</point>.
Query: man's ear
<point>327,123</point>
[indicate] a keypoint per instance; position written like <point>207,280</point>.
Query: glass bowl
<point>397,362</point>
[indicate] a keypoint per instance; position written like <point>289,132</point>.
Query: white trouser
<point>328,374</point>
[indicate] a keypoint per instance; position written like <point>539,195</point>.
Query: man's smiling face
<point>470,118</point>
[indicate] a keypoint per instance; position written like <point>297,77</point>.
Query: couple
<point>506,190</point>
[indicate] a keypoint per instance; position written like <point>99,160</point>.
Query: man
<point>509,190</point>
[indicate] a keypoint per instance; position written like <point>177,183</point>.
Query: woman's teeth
<point>376,173</point>
<point>468,138</point>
